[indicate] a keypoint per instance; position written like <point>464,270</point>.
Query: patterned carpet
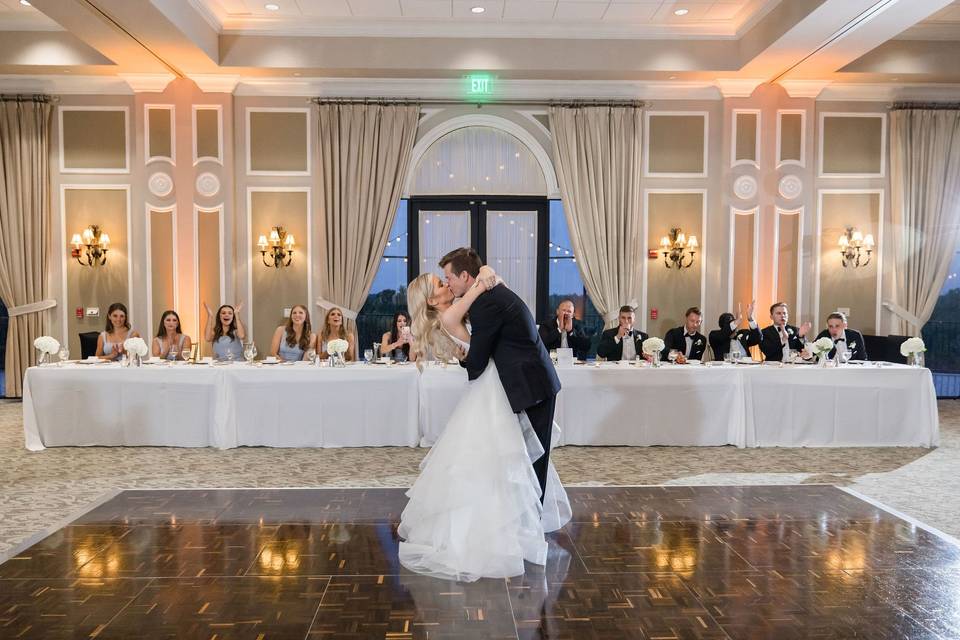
<point>43,489</point>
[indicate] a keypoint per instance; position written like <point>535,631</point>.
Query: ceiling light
<point>673,77</point>
<point>477,9</point>
<point>681,12</point>
<point>271,7</point>
<point>25,3</point>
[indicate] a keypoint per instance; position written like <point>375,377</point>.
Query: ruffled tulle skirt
<point>475,510</point>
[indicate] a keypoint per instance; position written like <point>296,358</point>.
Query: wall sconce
<point>90,248</point>
<point>853,244</point>
<point>676,248</point>
<point>279,246</point>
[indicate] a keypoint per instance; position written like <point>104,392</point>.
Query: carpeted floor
<point>41,489</point>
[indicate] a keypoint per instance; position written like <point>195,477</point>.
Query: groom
<point>503,329</point>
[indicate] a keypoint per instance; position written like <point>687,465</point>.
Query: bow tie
<point>690,335</point>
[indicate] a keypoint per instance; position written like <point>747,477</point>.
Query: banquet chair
<point>88,344</point>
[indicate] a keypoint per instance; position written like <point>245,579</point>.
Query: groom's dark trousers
<point>503,329</point>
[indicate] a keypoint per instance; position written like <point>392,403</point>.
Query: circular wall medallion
<point>208,184</point>
<point>745,187</point>
<point>790,187</point>
<point>160,184</point>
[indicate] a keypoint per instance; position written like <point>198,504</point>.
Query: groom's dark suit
<point>503,329</point>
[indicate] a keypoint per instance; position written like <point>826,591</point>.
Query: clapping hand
<point>804,328</point>
<point>750,309</point>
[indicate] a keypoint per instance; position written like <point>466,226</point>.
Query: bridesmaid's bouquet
<point>46,345</point>
<point>136,346</point>
<point>337,347</point>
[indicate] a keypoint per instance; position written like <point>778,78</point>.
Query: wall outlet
<point>286,312</point>
<point>93,312</point>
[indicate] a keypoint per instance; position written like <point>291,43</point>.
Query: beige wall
<point>746,143</point>
<point>212,259</point>
<point>744,247</point>
<point>274,289</point>
<point>162,246</point>
<point>848,287</point>
<point>94,140</point>
<point>102,285</point>
<point>160,123</point>
<point>852,145</point>
<point>672,291</point>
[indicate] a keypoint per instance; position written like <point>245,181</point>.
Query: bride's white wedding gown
<point>475,510</point>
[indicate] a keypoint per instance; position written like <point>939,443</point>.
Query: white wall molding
<point>738,87</point>
<point>803,88</point>
<point>147,82</point>
<point>216,83</point>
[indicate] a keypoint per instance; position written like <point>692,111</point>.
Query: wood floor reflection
<point>636,562</point>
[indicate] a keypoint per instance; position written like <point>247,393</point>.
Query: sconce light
<point>279,246</point>
<point>90,247</point>
<point>678,250</point>
<point>853,246</point>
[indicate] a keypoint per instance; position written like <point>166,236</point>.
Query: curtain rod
<point>26,98</point>
<point>935,106</point>
<point>483,103</point>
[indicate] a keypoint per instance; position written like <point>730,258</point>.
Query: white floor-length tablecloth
<point>90,405</point>
<point>853,406</point>
<point>304,406</point>
<point>369,405</point>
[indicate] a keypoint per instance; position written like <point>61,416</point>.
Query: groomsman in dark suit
<point>729,338</point>
<point>838,332</point>
<point>781,337</point>
<point>565,332</point>
<point>686,339</point>
<point>623,342</point>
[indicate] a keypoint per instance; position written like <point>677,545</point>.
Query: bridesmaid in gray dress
<point>294,340</point>
<point>226,333</point>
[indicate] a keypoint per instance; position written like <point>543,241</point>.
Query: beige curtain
<point>925,185</point>
<point>364,153</point>
<point>25,229</point>
<point>597,152</point>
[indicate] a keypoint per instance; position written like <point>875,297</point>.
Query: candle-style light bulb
<point>681,239</point>
<point>692,243</point>
<point>665,242</point>
<point>262,243</point>
<point>88,235</point>
<point>76,241</point>
<point>857,238</point>
<point>844,242</point>
<point>868,241</point>
<point>274,236</point>
<point>104,240</point>
<point>288,241</point>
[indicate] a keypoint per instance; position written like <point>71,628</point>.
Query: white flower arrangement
<point>46,344</point>
<point>136,346</point>
<point>911,346</point>
<point>652,346</point>
<point>822,346</point>
<point>337,347</point>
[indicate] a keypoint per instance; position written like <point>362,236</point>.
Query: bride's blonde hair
<point>425,322</point>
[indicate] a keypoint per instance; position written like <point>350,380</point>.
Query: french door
<point>511,234</point>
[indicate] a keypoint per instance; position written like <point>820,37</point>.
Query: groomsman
<point>686,339</point>
<point>838,332</point>
<point>781,337</point>
<point>729,339</point>
<point>565,332</point>
<point>623,342</point>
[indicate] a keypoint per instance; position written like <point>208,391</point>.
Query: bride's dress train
<point>475,510</point>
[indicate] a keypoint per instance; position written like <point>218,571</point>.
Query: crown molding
<point>889,92</point>
<point>738,87</point>
<point>147,82</point>
<point>453,89</point>
<point>803,88</point>
<point>215,82</point>
<point>64,85</point>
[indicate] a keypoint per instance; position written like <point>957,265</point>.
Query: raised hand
<point>750,309</point>
<point>239,307</point>
<point>207,309</point>
<point>806,326</point>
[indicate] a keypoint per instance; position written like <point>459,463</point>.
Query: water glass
<point>64,354</point>
<point>311,355</point>
<point>249,352</point>
<point>185,354</point>
<point>368,355</point>
<point>673,355</point>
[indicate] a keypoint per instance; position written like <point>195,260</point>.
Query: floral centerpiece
<point>912,349</point>
<point>137,349</point>
<point>47,346</point>
<point>821,348</point>
<point>336,349</point>
<point>652,347</point>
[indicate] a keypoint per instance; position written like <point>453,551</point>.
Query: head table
<point>298,405</point>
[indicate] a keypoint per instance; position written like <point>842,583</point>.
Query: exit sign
<point>479,85</point>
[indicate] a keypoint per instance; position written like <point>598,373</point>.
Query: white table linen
<point>370,405</point>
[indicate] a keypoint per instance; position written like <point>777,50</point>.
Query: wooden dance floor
<point>637,562</point>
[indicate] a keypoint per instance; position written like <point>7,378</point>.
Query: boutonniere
<point>699,342</point>
<point>853,345</point>
<point>789,332</point>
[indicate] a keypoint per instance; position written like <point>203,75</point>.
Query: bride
<point>475,511</point>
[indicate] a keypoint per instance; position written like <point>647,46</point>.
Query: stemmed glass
<point>311,355</point>
<point>673,355</point>
<point>185,354</point>
<point>249,352</point>
<point>64,354</point>
<point>368,355</point>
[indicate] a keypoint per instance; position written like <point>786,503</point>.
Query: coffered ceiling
<point>536,48</point>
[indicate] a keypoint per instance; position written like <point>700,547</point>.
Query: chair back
<point>88,344</point>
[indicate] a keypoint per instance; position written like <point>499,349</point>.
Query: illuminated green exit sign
<point>479,85</point>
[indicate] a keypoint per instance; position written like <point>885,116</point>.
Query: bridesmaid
<point>396,342</point>
<point>333,328</point>
<point>170,340</point>
<point>292,341</point>
<point>226,333</point>
<point>110,340</point>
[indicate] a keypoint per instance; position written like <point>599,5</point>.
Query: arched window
<point>478,159</point>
